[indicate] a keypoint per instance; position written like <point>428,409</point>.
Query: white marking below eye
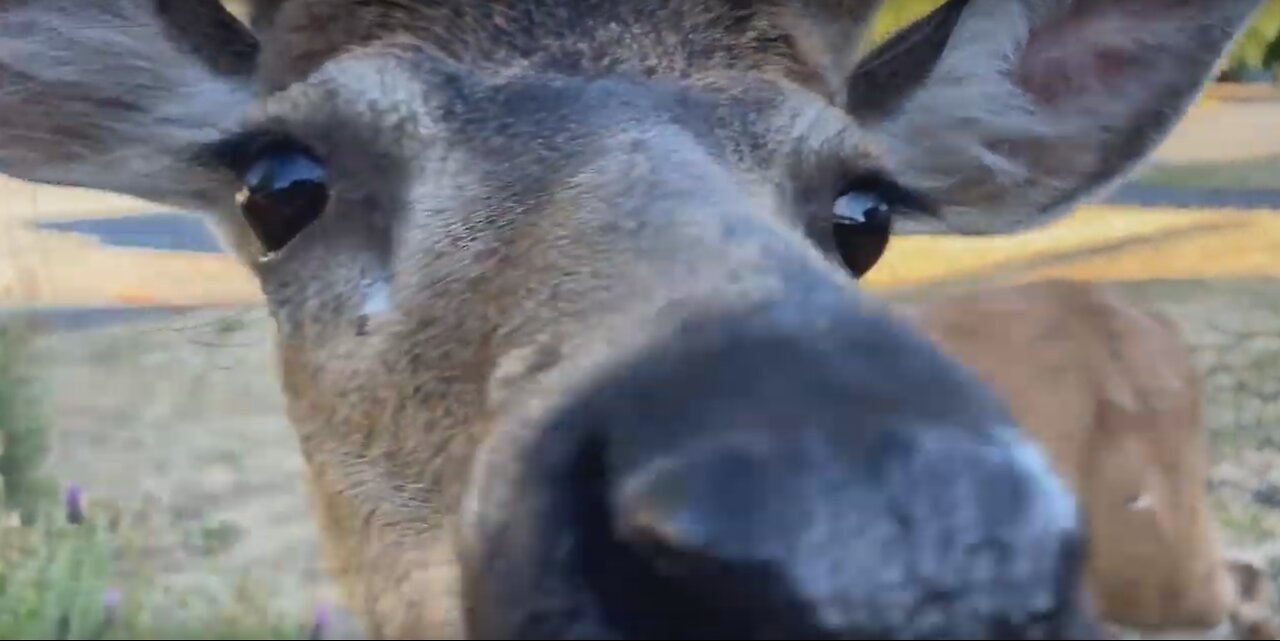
<point>377,298</point>
<point>1140,502</point>
<point>853,206</point>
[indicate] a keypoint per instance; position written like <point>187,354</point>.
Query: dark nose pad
<point>769,544</point>
<point>715,532</point>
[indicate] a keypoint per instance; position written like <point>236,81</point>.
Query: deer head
<point>565,291</point>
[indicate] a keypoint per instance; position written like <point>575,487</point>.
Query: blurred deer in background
<point>566,317</point>
<point>1111,392</point>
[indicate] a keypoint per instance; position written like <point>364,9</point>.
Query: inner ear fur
<point>1006,113</point>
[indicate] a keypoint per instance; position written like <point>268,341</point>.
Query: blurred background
<point>152,487</point>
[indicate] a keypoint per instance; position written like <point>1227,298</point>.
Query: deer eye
<point>285,189</point>
<point>861,224</point>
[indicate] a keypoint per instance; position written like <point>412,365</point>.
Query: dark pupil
<point>284,192</point>
<point>861,243</point>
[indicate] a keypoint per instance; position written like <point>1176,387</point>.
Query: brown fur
<point>1110,390</point>
<point>569,180</point>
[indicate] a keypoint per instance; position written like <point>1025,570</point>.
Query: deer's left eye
<point>285,189</point>
<point>861,225</point>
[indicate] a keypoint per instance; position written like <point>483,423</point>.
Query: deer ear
<point>1005,113</point>
<point>119,95</point>
<point>826,35</point>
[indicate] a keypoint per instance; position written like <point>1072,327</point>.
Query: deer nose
<point>769,475</point>
<point>946,539</point>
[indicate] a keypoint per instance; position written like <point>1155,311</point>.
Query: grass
<point>23,441</point>
<point>1254,174</point>
<point>89,580</point>
<point>73,569</point>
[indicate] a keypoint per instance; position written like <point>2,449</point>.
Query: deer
<point>564,318</point>
<point>1112,394</point>
<point>1110,391</point>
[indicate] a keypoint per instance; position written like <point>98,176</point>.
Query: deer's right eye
<point>285,189</point>
<point>862,226</point>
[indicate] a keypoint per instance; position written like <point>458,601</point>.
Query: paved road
<point>179,232</point>
<point>1155,234</point>
<point>1221,199</point>
<point>162,231</point>
<point>81,258</point>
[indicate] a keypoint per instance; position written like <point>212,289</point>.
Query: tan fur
<point>1110,390</point>
<point>527,192</point>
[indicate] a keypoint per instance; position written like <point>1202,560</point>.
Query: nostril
<point>655,510</point>
<point>709,529</point>
<point>712,505</point>
<point>660,525</point>
<point>758,537</point>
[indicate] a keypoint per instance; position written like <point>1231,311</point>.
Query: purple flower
<point>320,622</point>
<point>110,605</point>
<point>111,599</point>
<point>110,613</point>
<point>74,505</point>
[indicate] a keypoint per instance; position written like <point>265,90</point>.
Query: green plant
<point>24,440</point>
<point>71,570</point>
<point>1259,46</point>
<point>53,582</point>
<point>83,576</point>
<point>896,15</point>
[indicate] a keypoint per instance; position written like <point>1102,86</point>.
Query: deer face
<point>569,288</point>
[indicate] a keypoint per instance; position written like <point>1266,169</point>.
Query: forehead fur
<point>644,37</point>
